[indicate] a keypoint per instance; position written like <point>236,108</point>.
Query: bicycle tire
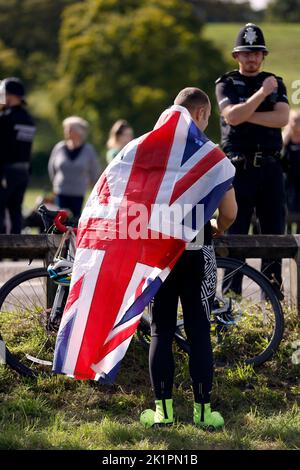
<point>265,286</point>
<point>268,293</point>
<point>13,359</point>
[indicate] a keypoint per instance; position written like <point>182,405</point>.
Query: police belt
<point>253,159</point>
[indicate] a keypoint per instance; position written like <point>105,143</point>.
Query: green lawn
<point>261,407</point>
<point>283,42</point>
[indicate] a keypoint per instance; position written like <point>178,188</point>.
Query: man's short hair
<point>192,98</point>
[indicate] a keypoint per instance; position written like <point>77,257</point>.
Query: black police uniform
<point>255,152</point>
<point>16,135</point>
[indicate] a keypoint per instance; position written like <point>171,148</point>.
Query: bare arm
<point>227,213</point>
<point>238,113</point>
<point>277,118</point>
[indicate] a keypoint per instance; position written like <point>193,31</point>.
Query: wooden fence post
<point>51,286</point>
<point>295,275</point>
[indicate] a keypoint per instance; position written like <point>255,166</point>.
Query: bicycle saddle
<point>47,216</point>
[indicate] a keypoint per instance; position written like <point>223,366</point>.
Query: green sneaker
<point>205,418</point>
<point>162,416</point>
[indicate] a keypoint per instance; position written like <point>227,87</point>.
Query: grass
<point>283,42</point>
<point>261,407</point>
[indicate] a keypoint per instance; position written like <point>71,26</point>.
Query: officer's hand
<point>269,85</point>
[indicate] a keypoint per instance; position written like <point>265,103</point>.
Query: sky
<point>259,4</point>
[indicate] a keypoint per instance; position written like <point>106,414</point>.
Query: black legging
<point>193,280</point>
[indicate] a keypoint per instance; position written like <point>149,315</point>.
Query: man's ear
<point>200,113</point>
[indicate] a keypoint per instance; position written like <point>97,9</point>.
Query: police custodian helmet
<point>250,38</point>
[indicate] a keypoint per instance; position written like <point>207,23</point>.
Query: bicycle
<point>245,328</point>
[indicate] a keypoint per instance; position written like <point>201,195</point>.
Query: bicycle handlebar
<point>56,218</point>
<point>59,220</point>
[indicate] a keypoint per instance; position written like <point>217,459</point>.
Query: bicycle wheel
<point>246,327</point>
<point>24,323</point>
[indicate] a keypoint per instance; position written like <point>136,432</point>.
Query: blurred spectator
<point>120,134</point>
<point>73,165</point>
<point>17,131</point>
<point>291,158</point>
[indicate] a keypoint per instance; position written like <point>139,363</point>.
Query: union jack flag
<point>115,275</point>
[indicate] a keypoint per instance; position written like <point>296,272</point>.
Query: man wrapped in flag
<point>135,226</point>
<point>193,280</point>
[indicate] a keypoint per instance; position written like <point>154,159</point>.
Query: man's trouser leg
<point>163,327</point>
<point>197,292</point>
<point>17,181</point>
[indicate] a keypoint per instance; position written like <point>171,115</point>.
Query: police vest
<point>234,88</point>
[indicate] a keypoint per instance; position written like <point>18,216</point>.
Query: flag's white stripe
<point>140,271</point>
<point>174,161</point>
<point>175,172</point>
<point>67,315</point>
<point>219,173</point>
<point>84,259</point>
<point>164,273</point>
<point>120,169</point>
<point>115,356</point>
<point>198,156</point>
<point>117,176</point>
<point>83,308</point>
<point>130,322</point>
<point>80,268</point>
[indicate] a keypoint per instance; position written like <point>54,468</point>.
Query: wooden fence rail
<point>255,246</point>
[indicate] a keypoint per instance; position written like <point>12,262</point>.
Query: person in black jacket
<point>17,131</point>
<point>254,107</point>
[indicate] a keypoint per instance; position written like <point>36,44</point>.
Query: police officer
<point>17,130</point>
<point>254,107</point>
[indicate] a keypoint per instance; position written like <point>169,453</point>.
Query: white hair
<point>81,126</point>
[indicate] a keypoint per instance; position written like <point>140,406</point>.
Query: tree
<point>129,58</point>
<point>32,25</point>
<point>30,29</point>
<point>10,64</point>
<point>284,10</point>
